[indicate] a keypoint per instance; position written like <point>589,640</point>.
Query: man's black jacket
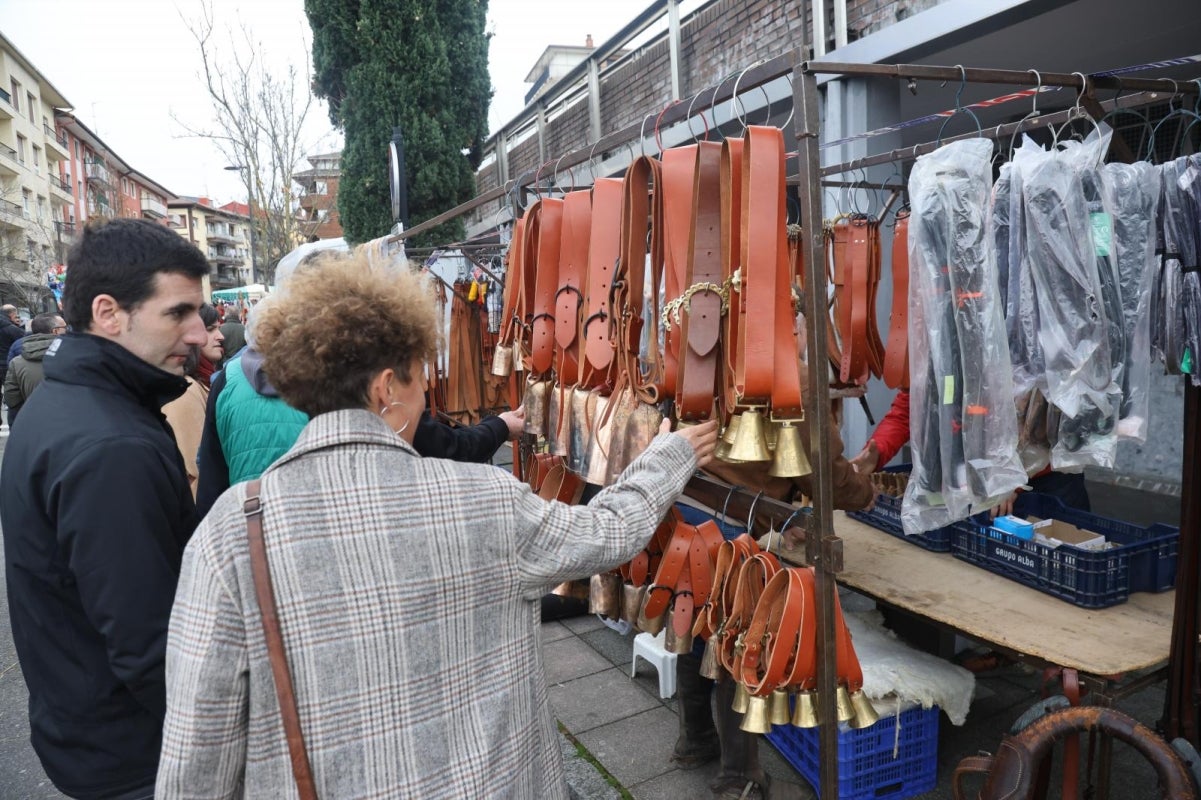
<point>96,511</point>
<point>9,333</point>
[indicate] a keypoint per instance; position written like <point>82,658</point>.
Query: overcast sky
<point>127,65</point>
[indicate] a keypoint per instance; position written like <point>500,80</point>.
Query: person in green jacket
<point>25,371</point>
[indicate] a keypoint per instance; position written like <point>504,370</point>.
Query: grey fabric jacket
<point>25,371</point>
<point>408,597</point>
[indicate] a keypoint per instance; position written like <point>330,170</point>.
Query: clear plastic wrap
<point>1189,185</point>
<point>1021,321</point>
<point>1168,313</point>
<point>1132,194</point>
<point>1068,237</point>
<point>963,428</point>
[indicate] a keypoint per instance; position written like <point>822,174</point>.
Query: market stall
<point>677,289</point>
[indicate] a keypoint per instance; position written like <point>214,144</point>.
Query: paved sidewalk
<point>631,732</point>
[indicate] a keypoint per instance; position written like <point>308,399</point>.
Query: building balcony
<point>65,230</point>
<point>225,258</point>
<point>6,105</point>
<point>56,145</point>
<point>11,215</point>
<point>60,190</point>
<point>220,237</point>
<point>97,173</point>
<point>153,207</point>
<point>8,160</point>
<point>225,278</point>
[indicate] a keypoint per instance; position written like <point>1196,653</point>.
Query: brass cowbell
<point>502,361</point>
<point>709,666</point>
<point>749,442</point>
<point>777,707</point>
<point>804,715</point>
<point>865,713</point>
<point>673,642</point>
<point>726,442</point>
<point>842,701</point>
<point>740,699</point>
<point>790,460</point>
<point>757,718</point>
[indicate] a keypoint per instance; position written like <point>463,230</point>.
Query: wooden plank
<point>1131,636</point>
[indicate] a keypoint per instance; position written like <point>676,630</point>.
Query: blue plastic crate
<point>867,769</point>
<point>886,516</point>
<point>1143,561</point>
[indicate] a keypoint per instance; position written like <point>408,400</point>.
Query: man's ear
<point>108,318</point>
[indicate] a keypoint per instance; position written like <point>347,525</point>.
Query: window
<point>37,158</point>
<point>41,208</point>
<point>26,198</point>
<point>21,148</point>
<point>322,188</point>
<point>16,94</point>
<point>32,105</point>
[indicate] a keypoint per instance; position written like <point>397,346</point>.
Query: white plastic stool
<point>653,651</point>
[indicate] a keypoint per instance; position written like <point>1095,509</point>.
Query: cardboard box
<point>1054,532</point>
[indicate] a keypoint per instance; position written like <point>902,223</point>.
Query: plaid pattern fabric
<point>408,596</point>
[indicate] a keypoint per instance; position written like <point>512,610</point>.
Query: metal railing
<point>152,205</point>
<point>64,229</point>
<point>9,207</point>
<point>54,135</point>
<point>96,171</point>
<point>5,150</point>
<point>6,97</point>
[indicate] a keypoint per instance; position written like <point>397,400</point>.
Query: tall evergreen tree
<point>422,66</point>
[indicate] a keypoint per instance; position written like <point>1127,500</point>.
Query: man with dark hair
<point>25,361</point>
<point>96,509</point>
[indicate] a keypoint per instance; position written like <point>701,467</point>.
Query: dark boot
<point>698,743</point>
<point>739,749</point>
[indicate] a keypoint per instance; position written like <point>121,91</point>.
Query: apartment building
<point>318,209</point>
<point>33,196</point>
<point>221,234</point>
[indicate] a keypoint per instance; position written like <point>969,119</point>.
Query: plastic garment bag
<point>1068,234</point>
<point>1132,195</point>
<point>963,428</point>
<point>1021,321</point>
<point>1169,339</point>
<point>1188,184</point>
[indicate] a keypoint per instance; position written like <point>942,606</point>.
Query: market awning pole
<point>823,550</point>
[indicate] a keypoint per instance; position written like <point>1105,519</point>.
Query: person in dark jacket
<point>234,334</point>
<point>25,369</point>
<point>10,332</point>
<point>96,509</point>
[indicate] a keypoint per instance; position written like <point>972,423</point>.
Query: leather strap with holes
<point>514,276</point>
<point>281,674</point>
<point>771,637</point>
<point>673,215</point>
<point>731,258</point>
<point>604,247</point>
<point>572,276</point>
<point>896,355</point>
<point>696,312</point>
<point>729,557</point>
<point>641,264</point>
<point>753,576</point>
<point>545,246</point>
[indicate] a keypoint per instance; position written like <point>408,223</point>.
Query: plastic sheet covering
<point>1170,336</point>
<point>999,229</point>
<point>1132,194</point>
<point>964,430</point>
<point>1189,186</point>
<point>1021,316</point>
<point>1068,235</point>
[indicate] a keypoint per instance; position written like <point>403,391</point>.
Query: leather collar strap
<point>771,637</point>
<point>514,276</point>
<point>762,182</point>
<point>730,556</point>
<point>646,562</point>
<point>850,673</point>
<point>803,672</point>
<point>896,355</point>
<point>285,692</point>
<point>853,368</point>
<point>641,247</point>
<point>559,483</point>
<point>753,576</point>
<point>604,247</point>
<point>674,216</point>
<point>546,243</point>
<point>696,313</point>
<point>573,274</point>
<point>786,402</point>
<point>731,254</point>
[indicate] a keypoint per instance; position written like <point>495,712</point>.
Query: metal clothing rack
<point>823,549</point>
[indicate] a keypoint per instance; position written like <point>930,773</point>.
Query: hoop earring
<point>383,412</point>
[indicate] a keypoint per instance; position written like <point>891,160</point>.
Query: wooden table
<point>1020,621</point>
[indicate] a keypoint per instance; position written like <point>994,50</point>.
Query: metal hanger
<point>959,107</point>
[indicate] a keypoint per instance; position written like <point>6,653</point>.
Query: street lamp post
<point>250,209</point>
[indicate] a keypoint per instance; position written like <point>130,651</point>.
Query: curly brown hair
<point>337,324</point>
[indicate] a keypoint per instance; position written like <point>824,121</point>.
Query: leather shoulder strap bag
<point>265,594</point>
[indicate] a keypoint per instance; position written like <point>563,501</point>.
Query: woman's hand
<point>515,420</point>
<point>868,459</point>
<point>702,437</point>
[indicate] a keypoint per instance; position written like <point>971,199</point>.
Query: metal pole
<point>594,110</point>
<point>673,43</point>
<point>250,209</point>
<point>823,549</point>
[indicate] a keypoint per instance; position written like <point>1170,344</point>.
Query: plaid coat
<point>408,595</point>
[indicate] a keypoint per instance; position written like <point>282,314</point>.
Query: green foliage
<point>421,65</point>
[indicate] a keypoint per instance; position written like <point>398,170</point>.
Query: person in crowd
<point>247,425</point>
<point>25,370</point>
<point>11,331</point>
<point>234,334</point>
<point>186,413</point>
<point>408,587</point>
<point>96,509</point>
<point>892,433</point>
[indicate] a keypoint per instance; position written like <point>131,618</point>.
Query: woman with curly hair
<point>407,588</point>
